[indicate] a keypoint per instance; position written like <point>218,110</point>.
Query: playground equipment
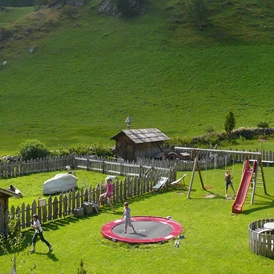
<point>149,229</point>
<point>249,181</point>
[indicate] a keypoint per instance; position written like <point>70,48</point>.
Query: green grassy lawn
<point>31,186</point>
<point>216,241</point>
<point>89,73</point>
<point>13,14</point>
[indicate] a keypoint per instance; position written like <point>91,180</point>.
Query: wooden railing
<point>260,241</point>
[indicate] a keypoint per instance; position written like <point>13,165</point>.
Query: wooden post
<point>60,210</point>
<point>28,217</point>
<point>55,208</point>
<point>23,214</point>
<point>49,208</point>
<point>65,205</point>
<point>195,164</point>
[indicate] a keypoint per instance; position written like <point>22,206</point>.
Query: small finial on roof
<point>128,122</point>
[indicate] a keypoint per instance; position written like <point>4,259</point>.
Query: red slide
<point>244,185</point>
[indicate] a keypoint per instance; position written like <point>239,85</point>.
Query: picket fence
<point>120,167</point>
<point>19,168</point>
<point>105,166</point>
<point>65,204</point>
<point>261,242</point>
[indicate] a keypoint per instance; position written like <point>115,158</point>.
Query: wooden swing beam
<point>196,162</point>
<point>218,151</point>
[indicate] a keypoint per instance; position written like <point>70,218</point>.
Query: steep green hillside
<point>89,73</point>
<point>9,15</point>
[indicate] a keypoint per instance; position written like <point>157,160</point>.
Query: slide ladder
<point>258,180</point>
<point>254,182</point>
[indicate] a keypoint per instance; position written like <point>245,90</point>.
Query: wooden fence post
<point>73,200</point>
<point>55,208</point>
<point>65,205</point>
<point>78,197</point>
<point>50,208</point>
<point>23,216</point>
<point>28,216</point>
<point>60,211</point>
<point>70,208</point>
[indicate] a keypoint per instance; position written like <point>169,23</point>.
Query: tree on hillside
<point>198,11</point>
<point>230,123</point>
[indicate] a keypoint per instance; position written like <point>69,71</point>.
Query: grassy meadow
<point>216,241</point>
<point>12,14</point>
<point>90,72</point>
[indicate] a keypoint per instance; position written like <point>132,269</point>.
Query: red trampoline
<point>149,229</point>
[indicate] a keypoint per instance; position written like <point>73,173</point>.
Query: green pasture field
<point>12,14</point>
<point>216,241</point>
<point>89,73</point>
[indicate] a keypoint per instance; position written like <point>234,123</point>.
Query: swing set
<point>249,180</point>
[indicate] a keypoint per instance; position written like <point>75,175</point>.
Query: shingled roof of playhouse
<point>138,136</point>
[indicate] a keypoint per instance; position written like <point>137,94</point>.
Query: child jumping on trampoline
<point>228,182</point>
<point>127,218</point>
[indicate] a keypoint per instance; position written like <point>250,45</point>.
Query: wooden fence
<point>260,241</point>
<point>19,168</point>
<point>207,161</point>
<point>62,205</point>
<point>106,166</point>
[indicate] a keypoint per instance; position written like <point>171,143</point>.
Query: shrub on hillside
<point>33,149</point>
<point>83,149</point>
<point>178,141</point>
<point>210,129</point>
<point>263,125</point>
<point>78,149</point>
<point>100,150</point>
<point>251,133</point>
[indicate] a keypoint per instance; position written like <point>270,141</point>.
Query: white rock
<point>60,183</point>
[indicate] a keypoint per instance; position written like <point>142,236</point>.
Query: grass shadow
<point>252,210</point>
<point>50,255</point>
